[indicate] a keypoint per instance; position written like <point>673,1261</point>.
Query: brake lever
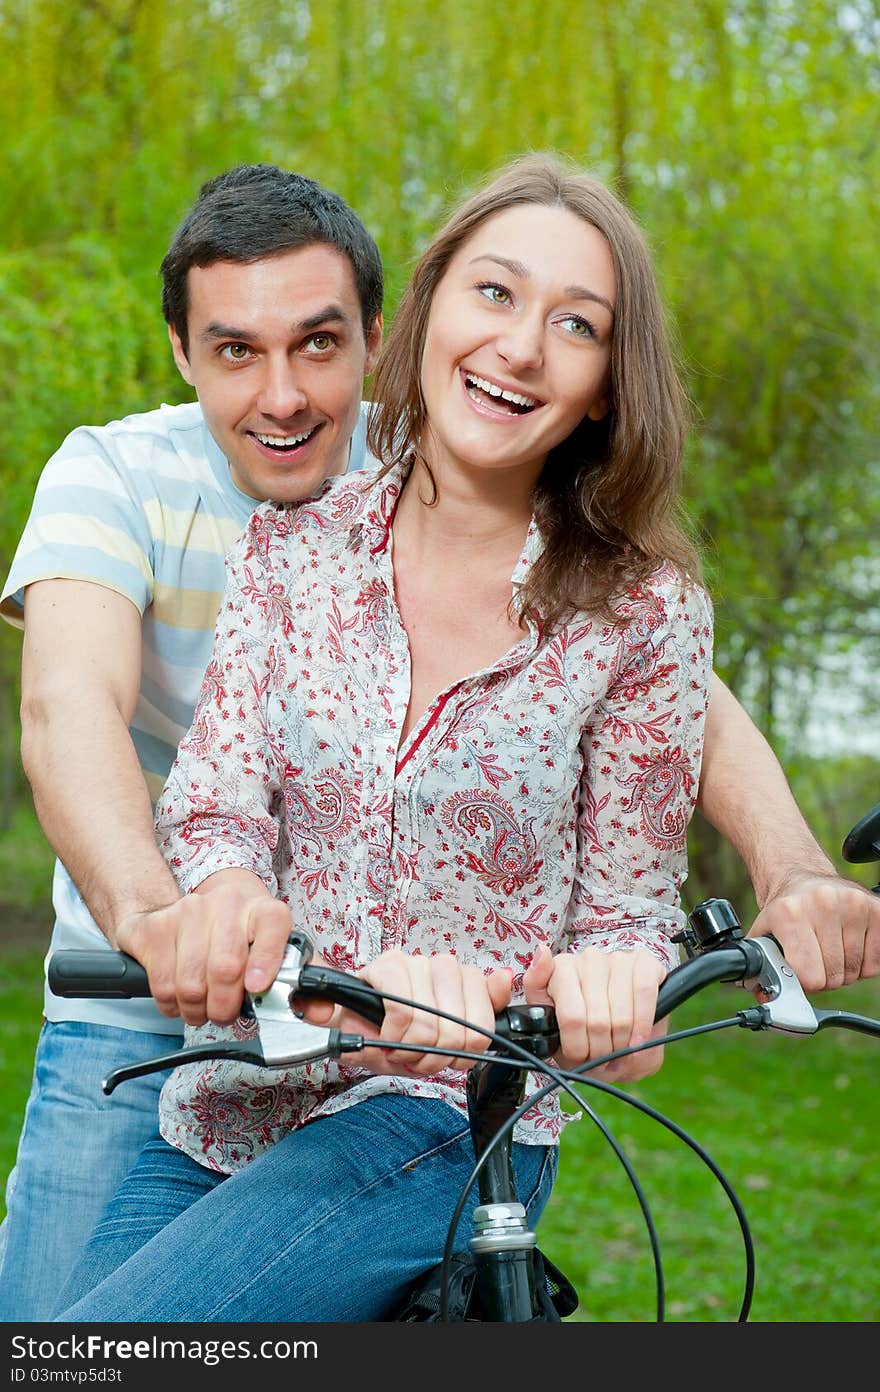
<point>314,1043</point>
<point>283,1041</point>
<point>785,1008</point>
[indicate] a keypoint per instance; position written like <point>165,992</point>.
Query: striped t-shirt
<point>145,506</point>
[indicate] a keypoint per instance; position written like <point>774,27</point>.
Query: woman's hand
<point>603,1001</point>
<point>441,981</point>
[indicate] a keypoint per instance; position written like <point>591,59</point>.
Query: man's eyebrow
<point>330,314</point>
<point>574,292</point>
<point>217,330</point>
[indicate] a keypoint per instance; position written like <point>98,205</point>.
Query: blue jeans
<point>334,1222</point>
<point>75,1148</point>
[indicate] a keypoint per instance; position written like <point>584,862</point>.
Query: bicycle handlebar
<point>717,951</point>
<point>716,947</point>
<point>93,974</point>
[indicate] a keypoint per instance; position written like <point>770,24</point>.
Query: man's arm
<point>80,677</point>
<point>80,680</point>
<point>828,926</point>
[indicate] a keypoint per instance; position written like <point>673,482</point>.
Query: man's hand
<point>827,926</point>
<point>202,952</point>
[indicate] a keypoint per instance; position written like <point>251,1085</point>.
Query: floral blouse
<point>545,798</point>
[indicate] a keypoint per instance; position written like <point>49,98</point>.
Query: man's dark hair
<point>259,210</point>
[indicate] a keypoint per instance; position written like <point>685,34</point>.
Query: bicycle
<point>504,1277</point>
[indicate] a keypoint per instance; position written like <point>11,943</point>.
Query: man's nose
<point>281,395</point>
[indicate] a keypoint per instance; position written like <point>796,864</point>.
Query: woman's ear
<point>601,405</point>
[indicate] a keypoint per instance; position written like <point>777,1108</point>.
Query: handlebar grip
<point>524,1024</point>
<point>97,974</point>
<point>738,962</point>
<point>324,983</point>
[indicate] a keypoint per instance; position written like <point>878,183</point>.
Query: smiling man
<point>277,350</point>
<point>272,291</point>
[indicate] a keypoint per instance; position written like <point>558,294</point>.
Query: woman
<point>454,720</point>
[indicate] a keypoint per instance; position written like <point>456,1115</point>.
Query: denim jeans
<point>333,1223</point>
<point>75,1147</point>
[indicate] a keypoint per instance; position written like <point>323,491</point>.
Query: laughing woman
<point>454,721</point>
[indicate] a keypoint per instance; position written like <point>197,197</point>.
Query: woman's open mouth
<point>501,401</point>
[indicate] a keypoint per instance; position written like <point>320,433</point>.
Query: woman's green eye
<point>496,293</point>
<point>579,327</point>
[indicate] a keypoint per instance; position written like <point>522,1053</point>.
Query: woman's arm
<point>638,791</point>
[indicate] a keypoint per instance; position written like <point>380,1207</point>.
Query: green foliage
<point>792,1124</point>
<point>21,1003</point>
<point>743,135</point>
<point>26,862</point>
<point>79,344</point>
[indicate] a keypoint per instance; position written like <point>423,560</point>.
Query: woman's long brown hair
<point>607,500</point>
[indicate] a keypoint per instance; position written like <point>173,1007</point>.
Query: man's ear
<point>374,345</point>
<point>180,357</point>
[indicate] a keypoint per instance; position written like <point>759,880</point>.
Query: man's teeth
<point>491,390</point>
<point>283,441</point>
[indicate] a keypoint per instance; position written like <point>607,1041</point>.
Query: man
<point>272,295</point>
<point>272,290</point>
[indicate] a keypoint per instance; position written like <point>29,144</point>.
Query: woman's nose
<point>522,345</point>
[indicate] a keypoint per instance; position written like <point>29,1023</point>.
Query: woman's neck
<point>487,510</point>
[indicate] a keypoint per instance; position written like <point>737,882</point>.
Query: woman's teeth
<point>515,399</point>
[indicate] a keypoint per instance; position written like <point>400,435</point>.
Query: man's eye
<point>498,294</point>
<point>236,352</point>
<point>321,342</point>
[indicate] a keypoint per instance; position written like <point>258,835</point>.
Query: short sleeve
<point>89,521</point>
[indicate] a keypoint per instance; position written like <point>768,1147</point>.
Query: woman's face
<point>518,342</point>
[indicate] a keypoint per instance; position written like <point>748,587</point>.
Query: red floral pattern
<point>544,798</point>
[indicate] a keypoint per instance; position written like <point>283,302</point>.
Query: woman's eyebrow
<point>574,292</point>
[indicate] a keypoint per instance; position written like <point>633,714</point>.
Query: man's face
<point>277,357</point>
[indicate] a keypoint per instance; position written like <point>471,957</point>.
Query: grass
<point>793,1123</point>
<point>21,1003</point>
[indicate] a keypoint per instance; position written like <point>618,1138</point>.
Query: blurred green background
<point>742,133</point>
